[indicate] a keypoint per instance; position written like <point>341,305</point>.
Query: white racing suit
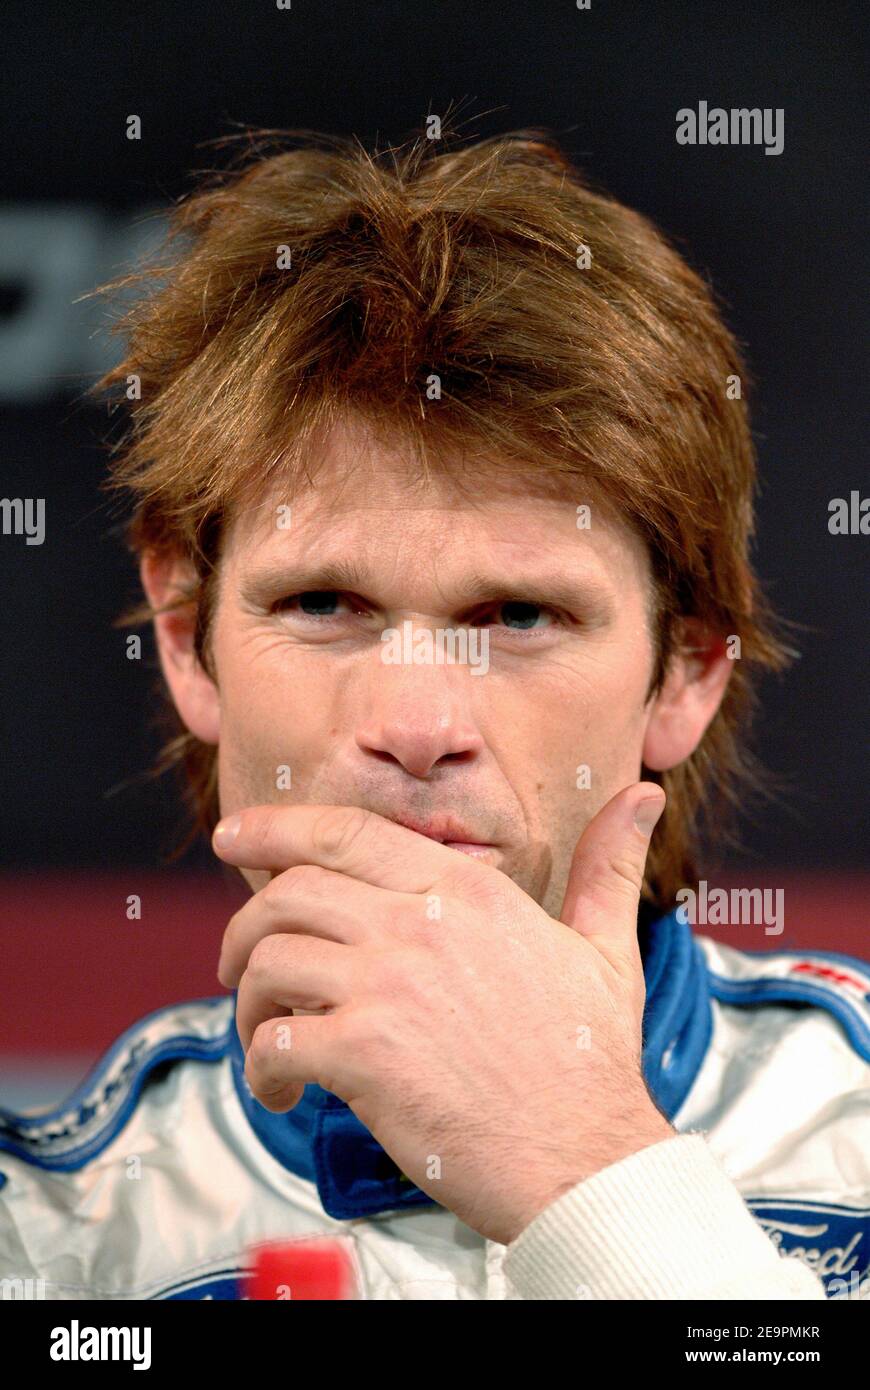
<point>161,1173</point>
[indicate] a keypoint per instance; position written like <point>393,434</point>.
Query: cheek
<point>275,723</point>
<point>581,760</point>
<point>595,717</point>
<point>257,719</point>
<point>590,742</point>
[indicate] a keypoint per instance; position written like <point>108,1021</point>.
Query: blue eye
<point>320,603</point>
<point>522,616</point>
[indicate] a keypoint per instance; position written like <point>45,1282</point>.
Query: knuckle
<point>271,897</point>
<point>438,931</point>
<point>430,931</point>
<point>625,868</point>
<point>485,887</point>
<point>265,956</point>
<point>262,1052</point>
<point>369,1033</point>
<point>615,871</point>
<point>234,929</point>
<point>300,879</point>
<point>336,830</point>
<point>482,892</point>
<point>396,972</point>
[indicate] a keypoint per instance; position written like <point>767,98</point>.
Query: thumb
<point>606,876</point>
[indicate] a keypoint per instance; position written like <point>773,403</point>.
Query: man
<point>442,488</point>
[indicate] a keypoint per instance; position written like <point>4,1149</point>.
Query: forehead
<point>373,503</point>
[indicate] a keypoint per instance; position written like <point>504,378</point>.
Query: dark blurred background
<point>781,237</point>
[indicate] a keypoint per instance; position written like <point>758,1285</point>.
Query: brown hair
<point>321,279</point>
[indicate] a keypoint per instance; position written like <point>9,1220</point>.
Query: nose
<point>418,718</point>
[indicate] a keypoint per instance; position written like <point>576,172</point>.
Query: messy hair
<point>312,279</point>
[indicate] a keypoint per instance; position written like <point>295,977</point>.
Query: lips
<point>447,832</point>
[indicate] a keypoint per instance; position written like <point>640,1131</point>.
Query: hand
<point>492,1051</point>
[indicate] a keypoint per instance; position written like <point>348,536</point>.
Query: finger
<point>292,972</point>
<point>308,899</point>
<point>347,839</point>
<point>286,1055</point>
<point>604,884</point>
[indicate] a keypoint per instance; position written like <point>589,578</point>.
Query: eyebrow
<point>551,590</point>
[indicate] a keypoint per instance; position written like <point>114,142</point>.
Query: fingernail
<point>647,813</point>
<point>226,831</point>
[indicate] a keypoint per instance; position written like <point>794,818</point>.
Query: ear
<point>690,696</point>
<point>194,693</point>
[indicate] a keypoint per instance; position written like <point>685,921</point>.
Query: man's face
<point>497,756</point>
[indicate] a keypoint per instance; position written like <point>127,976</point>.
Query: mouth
<point>449,833</point>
